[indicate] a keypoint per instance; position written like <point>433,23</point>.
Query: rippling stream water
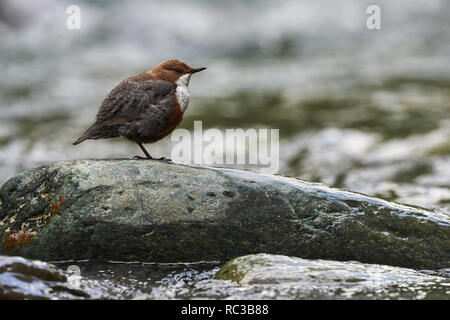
<point>316,280</point>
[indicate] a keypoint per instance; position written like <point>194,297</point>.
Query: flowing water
<point>363,110</point>
<point>317,279</point>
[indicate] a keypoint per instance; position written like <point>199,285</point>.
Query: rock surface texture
<point>132,210</point>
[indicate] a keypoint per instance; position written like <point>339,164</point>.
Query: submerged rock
<point>157,211</point>
<point>275,276</point>
<point>25,279</point>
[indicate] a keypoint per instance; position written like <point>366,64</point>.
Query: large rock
<point>159,211</point>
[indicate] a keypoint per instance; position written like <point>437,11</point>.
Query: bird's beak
<point>197,70</point>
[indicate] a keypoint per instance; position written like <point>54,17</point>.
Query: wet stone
<point>280,276</point>
<point>129,210</point>
<point>25,279</point>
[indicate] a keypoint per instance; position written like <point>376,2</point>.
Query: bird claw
<point>145,158</point>
<point>141,158</point>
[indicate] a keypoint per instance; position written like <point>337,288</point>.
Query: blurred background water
<point>364,110</point>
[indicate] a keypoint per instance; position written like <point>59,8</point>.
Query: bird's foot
<point>145,158</point>
<point>164,159</point>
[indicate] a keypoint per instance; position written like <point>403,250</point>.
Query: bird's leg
<point>148,156</point>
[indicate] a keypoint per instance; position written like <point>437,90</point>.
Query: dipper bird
<point>145,107</point>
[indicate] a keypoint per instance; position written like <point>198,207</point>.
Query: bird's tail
<point>87,134</point>
<point>81,139</point>
<point>97,131</point>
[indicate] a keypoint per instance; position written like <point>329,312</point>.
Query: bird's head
<point>175,71</point>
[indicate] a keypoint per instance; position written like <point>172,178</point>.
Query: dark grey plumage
<point>138,110</point>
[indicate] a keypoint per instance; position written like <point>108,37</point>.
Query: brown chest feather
<point>174,120</point>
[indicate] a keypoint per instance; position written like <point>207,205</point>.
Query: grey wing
<point>131,100</point>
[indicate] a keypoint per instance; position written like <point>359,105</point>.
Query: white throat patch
<point>182,91</point>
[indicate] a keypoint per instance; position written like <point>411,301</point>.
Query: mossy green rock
<point>158,211</point>
<point>274,275</point>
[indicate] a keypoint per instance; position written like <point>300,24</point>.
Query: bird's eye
<point>179,70</point>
